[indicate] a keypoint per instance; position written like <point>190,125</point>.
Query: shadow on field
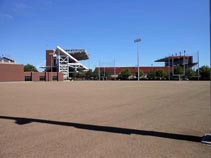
<point>22,121</point>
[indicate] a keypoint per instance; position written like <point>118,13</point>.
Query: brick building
<point>9,71</point>
<point>134,70</point>
<point>186,62</point>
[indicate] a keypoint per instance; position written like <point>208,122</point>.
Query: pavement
<point>112,119</point>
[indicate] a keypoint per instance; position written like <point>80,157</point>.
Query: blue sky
<point>106,29</point>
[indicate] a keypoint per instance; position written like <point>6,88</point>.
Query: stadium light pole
<point>169,67</point>
<point>99,71</point>
<point>184,62</point>
<point>136,41</point>
<point>207,137</point>
<point>198,64</point>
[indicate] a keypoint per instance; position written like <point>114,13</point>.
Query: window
<point>28,78</point>
<point>42,78</point>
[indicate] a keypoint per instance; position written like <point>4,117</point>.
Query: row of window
<point>42,78</point>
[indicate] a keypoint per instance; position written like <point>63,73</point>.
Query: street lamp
<point>136,41</point>
<point>207,137</point>
<point>99,71</point>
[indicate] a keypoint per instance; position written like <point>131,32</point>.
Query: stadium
<point>60,65</point>
<point>65,61</point>
<point>170,62</point>
<point>64,64</point>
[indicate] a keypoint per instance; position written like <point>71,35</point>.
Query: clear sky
<point>105,28</point>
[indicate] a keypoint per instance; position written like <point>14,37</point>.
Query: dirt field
<point>104,119</point>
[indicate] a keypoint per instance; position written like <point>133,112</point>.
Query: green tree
<point>141,73</point>
<point>80,74</point>
<point>125,74</point>
<point>151,74</point>
<point>89,74</point>
<point>190,73</point>
<point>178,70</point>
<point>29,68</point>
<point>204,72</point>
<point>108,75</point>
<point>160,73</point>
<point>95,74</point>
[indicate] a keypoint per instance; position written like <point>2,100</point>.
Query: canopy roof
<point>79,54</point>
<point>166,59</point>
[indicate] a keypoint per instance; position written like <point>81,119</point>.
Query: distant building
<point>172,61</point>
<point>60,64</point>
<point>169,64</point>
<point>10,71</point>
<point>134,70</point>
<point>65,61</point>
<point>6,60</point>
<point>64,64</point>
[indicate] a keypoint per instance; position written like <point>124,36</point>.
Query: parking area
<point>104,119</point>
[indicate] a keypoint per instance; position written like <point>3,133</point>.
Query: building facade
<point>43,76</point>
<point>65,61</point>
<point>6,60</point>
<point>186,62</point>
<point>183,61</point>
<point>134,70</point>
<point>11,72</point>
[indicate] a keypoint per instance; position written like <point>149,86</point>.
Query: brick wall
<point>11,72</point>
<point>36,76</point>
<point>60,76</point>
<point>49,59</point>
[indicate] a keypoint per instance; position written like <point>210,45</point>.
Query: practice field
<point>109,119</point>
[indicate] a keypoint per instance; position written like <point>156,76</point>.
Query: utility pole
<point>169,67</point>
<point>207,137</point>
<point>172,65</point>
<point>184,62</point>
<point>99,71</point>
<point>104,73</point>
<point>136,41</point>
<point>114,69</point>
<point>198,64</point>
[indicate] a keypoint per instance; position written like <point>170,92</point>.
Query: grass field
<point>112,119</point>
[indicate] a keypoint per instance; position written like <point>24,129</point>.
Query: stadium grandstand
<point>65,61</point>
<point>170,63</point>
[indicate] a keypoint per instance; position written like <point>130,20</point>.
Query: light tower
<point>136,41</point>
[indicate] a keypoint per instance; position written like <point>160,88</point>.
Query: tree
<point>190,73</point>
<point>80,74</point>
<point>107,75</point>
<point>204,72</point>
<point>141,73</point>
<point>95,74</point>
<point>89,74</point>
<point>125,74</point>
<point>178,70</point>
<point>30,68</point>
<point>160,73</point>
<point>151,74</point>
